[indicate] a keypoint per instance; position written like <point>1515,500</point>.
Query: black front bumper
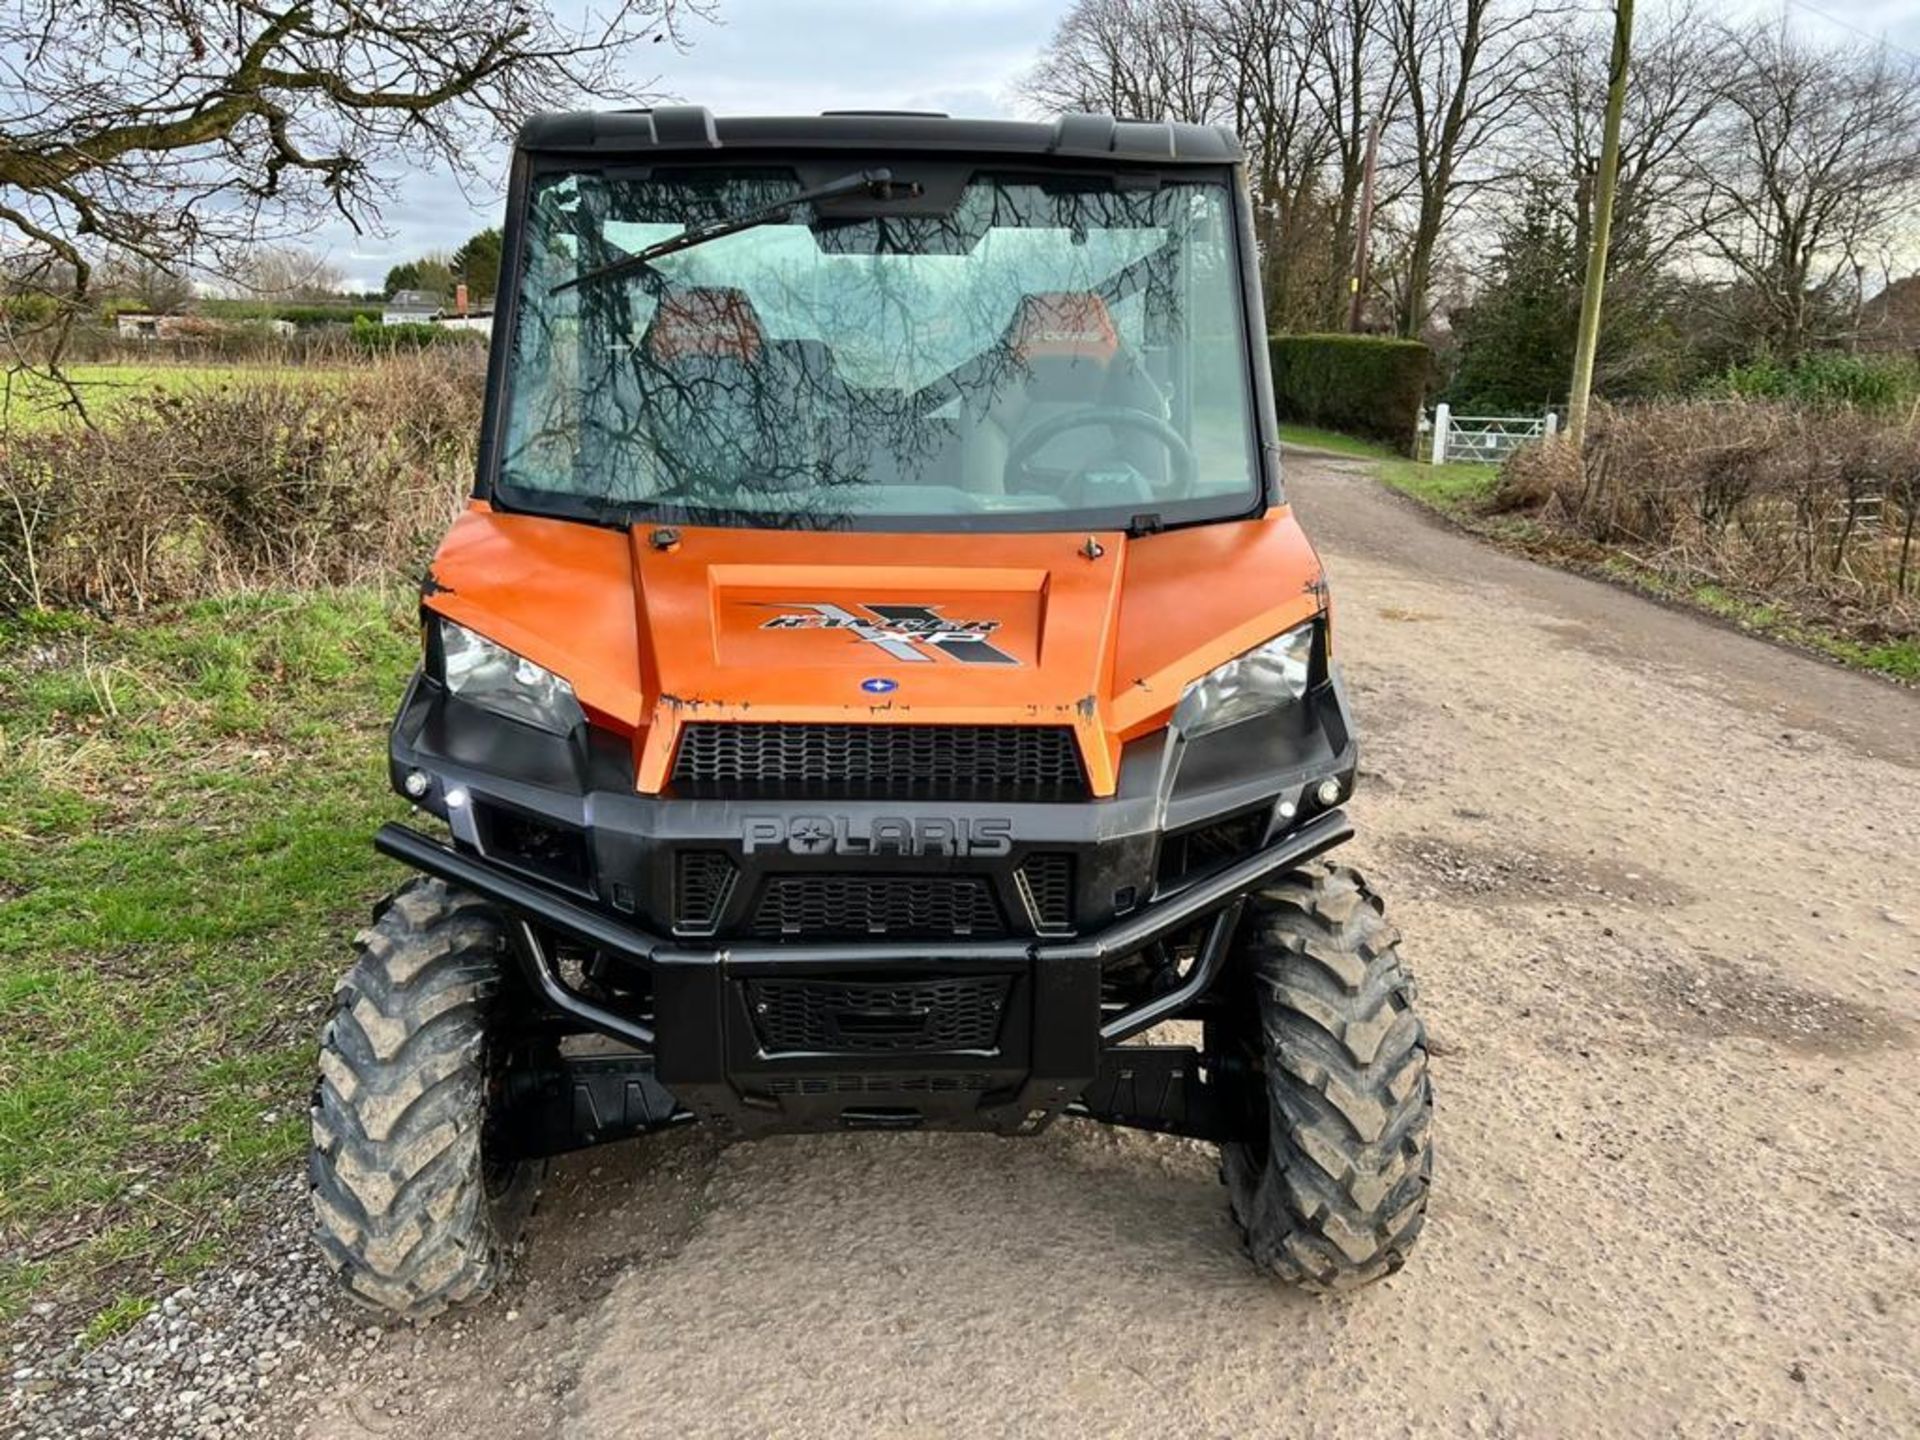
<point>1054,1046</point>
<point>552,831</point>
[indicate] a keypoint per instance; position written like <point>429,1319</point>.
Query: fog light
<point>417,783</point>
<point>1328,793</point>
<point>456,799</point>
<point>1288,809</point>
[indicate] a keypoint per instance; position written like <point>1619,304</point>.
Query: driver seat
<point>1062,352</point>
<point>715,396</point>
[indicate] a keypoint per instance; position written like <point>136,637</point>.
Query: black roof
<point>683,128</point>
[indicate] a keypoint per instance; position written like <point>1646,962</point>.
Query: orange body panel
<point>739,624</point>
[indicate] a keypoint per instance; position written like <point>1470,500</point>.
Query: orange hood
<point>734,624</point>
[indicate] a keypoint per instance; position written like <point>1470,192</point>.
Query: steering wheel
<point>1020,455</point>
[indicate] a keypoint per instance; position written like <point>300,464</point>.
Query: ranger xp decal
<point>906,632</point>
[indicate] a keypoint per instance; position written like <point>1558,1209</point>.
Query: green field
<point>184,854</point>
<point>33,400</point>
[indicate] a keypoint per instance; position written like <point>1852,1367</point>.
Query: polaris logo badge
<point>923,835</point>
<point>917,633</point>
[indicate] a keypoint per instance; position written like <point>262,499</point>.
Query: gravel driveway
<point>1661,886</point>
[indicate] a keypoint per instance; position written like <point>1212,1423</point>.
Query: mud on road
<point>1660,885</point>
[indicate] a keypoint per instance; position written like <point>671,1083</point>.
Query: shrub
<point>371,335</point>
<point>305,314</point>
<point>1359,384</point>
<point>1828,379</point>
<point>261,482</point>
<point>1795,502</point>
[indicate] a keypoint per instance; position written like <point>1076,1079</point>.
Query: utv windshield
<point>1022,352</point>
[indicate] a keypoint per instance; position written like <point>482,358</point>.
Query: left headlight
<point>494,678</point>
<point>1259,682</point>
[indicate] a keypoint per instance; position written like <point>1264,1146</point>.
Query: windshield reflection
<point>1038,357</point>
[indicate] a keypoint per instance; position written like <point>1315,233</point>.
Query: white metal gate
<point>1487,439</point>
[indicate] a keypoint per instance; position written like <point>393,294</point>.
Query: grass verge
<point>1458,491</point>
<point>187,802</point>
<point>1333,442</point>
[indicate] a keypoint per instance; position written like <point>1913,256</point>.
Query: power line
<point>1832,19</point>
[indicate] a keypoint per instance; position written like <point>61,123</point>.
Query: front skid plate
<point>596,1100</point>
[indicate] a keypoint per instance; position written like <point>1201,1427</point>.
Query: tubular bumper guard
<point>1061,1043</point>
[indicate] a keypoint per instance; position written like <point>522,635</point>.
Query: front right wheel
<point>414,1208</point>
<point>1333,1059</point>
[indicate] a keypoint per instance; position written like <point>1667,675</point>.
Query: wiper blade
<point>876,184</point>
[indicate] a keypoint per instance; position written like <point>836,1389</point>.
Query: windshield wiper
<point>876,184</point>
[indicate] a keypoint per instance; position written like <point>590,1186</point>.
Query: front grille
<point>702,880</point>
<point>851,906</point>
<point>959,1013</point>
<point>1046,886</point>
<point>927,762</point>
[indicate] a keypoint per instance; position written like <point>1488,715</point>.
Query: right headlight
<point>491,676</point>
<point>1266,678</point>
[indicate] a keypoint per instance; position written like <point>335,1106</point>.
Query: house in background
<point>147,325</point>
<point>1890,321</point>
<point>411,307</point>
<point>480,321</point>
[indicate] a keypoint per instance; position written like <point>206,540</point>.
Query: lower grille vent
<point>960,1013</point>
<point>850,906</point>
<point>1046,886</point>
<point>702,880</point>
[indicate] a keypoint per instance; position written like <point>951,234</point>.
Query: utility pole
<point>1363,238</point>
<point>1608,181</point>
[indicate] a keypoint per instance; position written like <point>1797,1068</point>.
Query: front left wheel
<point>414,1207</point>
<point>1332,1191</point>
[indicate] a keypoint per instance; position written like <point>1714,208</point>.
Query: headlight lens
<point>494,678</point>
<point>1257,683</point>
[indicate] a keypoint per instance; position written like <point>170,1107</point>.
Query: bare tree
<point>1680,66</point>
<point>182,130</point>
<point>1264,54</point>
<point>1465,68</point>
<point>158,289</point>
<point>1357,86</point>
<point>1812,166</point>
<point>1146,59</point>
<point>1301,84</point>
<point>285,273</point>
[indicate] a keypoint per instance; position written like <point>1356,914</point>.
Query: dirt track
<point>1661,887</point>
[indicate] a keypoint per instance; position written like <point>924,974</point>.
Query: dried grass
<point>259,483</point>
<point>1816,507</point>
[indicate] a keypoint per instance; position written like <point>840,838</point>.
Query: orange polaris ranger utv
<point>877,680</point>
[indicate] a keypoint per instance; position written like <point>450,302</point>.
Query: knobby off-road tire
<point>1337,1192</point>
<point>411,1209</point>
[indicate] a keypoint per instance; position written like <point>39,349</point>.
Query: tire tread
<point>400,1201</point>
<point>1341,1194</point>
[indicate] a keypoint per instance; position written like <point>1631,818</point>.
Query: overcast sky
<point>803,56</point>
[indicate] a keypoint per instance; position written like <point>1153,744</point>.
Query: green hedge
<point>379,339</point>
<point>1358,384</point>
<point>304,315</point>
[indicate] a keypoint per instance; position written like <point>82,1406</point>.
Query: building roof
<point>422,300</point>
<point>1891,319</point>
<point>685,128</point>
